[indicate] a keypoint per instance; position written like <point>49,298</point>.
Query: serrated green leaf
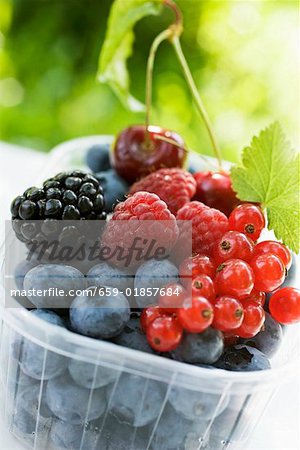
<point>270,174</point>
<point>118,43</point>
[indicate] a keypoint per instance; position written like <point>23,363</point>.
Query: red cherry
<point>248,219</point>
<point>215,190</point>
<point>202,285</point>
<point>164,333</point>
<point>148,315</point>
<point>137,153</point>
<point>233,245</point>
<point>197,315</point>
<point>269,272</point>
<point>234,278</point>
<point>285,305</point>
<point>172,298</point>
<point>276,248</point>
<point>228,313</point>
<point>196,265</point>
<point>254,317</point>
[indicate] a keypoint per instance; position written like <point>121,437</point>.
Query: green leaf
<point>269,174</point>
<point>118,43</point>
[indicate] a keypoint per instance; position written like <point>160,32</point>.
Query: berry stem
<point>149,74</point>
<point>199,103</point>
<point>178,14</point>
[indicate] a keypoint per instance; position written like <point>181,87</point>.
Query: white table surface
<point>280,426</point>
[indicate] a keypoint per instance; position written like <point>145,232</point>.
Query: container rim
<point>277,375</point>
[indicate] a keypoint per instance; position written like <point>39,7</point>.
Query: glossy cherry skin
<point>214,189</point>
<point>134,157</point>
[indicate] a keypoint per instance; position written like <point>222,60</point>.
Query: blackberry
<point>67,196</point>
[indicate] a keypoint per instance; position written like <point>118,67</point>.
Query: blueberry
<point>36,361</point>
<point>59,277</point>
<point>242,358</point>
<point>174,432</point>
<point>90,376</point>
<point>114,188</point>
<point>72,403</point>
<point>21,270</point>
<point>104,275</point>
<point>224,424</point>
<point>30,406</point>
<point>133,337</point>
<point>136,400</point>
<point>200,348</point>
<point>121,436</point>
<point>97,157</point>
<point>153,274</point>
<point>269,339</point>
<point>99,316</point>
<point>68,436</point>
<point>195,405</point>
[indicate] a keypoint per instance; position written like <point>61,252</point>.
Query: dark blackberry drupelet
<point>67,196</point>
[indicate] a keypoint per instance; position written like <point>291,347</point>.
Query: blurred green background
<point>243,54</point>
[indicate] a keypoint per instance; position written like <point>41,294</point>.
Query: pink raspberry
<point>208,225</point>
<point>174,186</point>
<point>140,219</point>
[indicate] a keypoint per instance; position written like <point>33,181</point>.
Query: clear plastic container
<point>103,396</point>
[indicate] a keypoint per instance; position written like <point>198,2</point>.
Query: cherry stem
<point>186,150</point>
<point>149,74</point>
<point>196,96</point>
<point>178,14</point>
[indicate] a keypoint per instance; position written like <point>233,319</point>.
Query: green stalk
<point>149,73</point>
<point>196,96</point>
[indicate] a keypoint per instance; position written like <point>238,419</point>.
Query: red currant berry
<point>172,298</point>
<point>285,305</point>
<point>197,317</point>
<point>235,278</point>
<point>202,285</point>
<point>138,151</point>
<point>275,248</point>
<point>214,189</point>
<point>254,317</point>
<point>149,314</point>
<point>233,245</point>
<point>256,297</point>
<point>164,333</point>
<point>196,265</point>
<point>247,219</point>
<point>269,272</point>
<point>228,314</point>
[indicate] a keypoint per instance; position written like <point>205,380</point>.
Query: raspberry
<point>208,225</point>
<point>174,186</point>
<point>147,220</point>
